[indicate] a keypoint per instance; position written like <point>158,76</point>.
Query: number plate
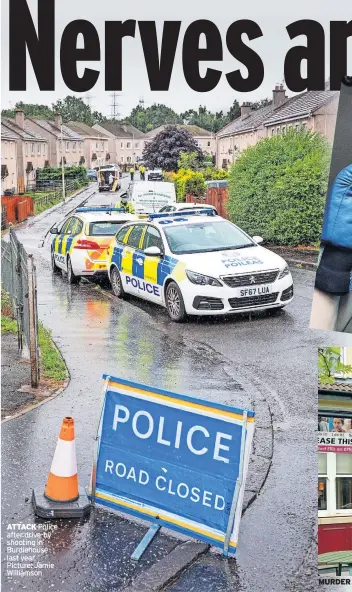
<point>253,291</point>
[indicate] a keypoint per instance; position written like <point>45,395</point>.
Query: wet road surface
<point>265,364</point>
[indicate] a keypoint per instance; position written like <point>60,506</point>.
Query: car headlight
<point>284,272</point>
<point>201,280</point>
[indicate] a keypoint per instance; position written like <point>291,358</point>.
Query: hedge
<point>277,188</point>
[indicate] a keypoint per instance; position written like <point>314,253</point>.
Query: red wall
<point>334,537</point>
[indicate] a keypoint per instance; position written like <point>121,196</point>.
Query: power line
<point>114,105</point>
<point>88,100</point>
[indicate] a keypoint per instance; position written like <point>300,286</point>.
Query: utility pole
<point>114,106</point>
<point>62,166</point>
<point>88,99</point>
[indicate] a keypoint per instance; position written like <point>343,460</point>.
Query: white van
<point>148,197</point>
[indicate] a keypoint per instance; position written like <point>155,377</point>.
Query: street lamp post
<point>62,167</point>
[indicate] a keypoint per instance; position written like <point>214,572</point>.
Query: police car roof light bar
<point>208,212</point>
<point>100,209</point>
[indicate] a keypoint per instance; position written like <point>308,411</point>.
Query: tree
<point>205,119</point>
<point>277,188</point>
<point>148,118</point>
<point>75,109</point>
<point>234,111</point>
<point>329,364</point>
<point>188,160</point>
<point>261,103</point>
<point>30,110</point>
<point>164,150</point>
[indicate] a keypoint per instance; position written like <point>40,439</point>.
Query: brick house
<point>125,142</point>
<point>205,140</point>
<point>95,144</point>
<point>313,110</point>
<point>32,149</point>
<point>9,169</point>
<point>63,142</point>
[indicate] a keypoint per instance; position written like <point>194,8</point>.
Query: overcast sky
<point>271,15</point>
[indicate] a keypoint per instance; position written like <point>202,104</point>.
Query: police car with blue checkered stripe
<point>197,263</point>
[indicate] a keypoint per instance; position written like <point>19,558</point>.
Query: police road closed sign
<point>172,459</point>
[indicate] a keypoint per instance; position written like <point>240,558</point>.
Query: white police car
<point>197,263</point>
<point>81,241</point>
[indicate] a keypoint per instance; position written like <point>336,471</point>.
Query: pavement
<point>15,373</point>
<point>264,362</point>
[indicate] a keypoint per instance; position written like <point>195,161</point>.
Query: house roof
<point>85,130</point>
<point>254,119</point>
<point>7,134</point>
<point>25,134</point>
<point>195,130</point>
<point>50,127</point>
<point>120,130</point>
<point>301,106</point>
<point>338,387</point>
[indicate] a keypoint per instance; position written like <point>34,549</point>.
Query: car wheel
<point>174,303</point>
<point>116,283</point>
<point>71,277</point>
<point>54,267</point>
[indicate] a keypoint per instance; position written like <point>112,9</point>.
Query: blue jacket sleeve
<point>337,226</point>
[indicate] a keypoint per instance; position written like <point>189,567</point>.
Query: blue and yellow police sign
<point>172,459</point>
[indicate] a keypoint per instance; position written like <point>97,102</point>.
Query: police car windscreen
<point>204,237</point>
<point>108,228</point>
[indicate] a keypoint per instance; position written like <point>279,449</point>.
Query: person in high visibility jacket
<point>142,172</point>
<point>132,173</point>
<point>125,204</point>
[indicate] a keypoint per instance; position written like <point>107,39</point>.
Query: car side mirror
<point>54,230</point>
<point>153,252</point>
<point>258,239</point>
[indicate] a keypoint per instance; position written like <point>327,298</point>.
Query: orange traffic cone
<point>62,484</point>
<point>62,497</point>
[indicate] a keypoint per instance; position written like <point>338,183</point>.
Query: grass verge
<point>8,325</point>
<point>52,364</point>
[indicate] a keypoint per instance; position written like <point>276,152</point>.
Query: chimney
<point>19,118</point>
<point>58,120</point>
<point>279,95</point>
<point>245,110</point>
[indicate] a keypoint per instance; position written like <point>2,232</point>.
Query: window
<point>67,226</point>
<point>322,502</point>
<point>11,149</point>
<point>136,144</point>
<point>273,132</point>
<point>121,236</point>
<point>153,238</point>
<point>121,158</point>
<point>26,149</point>
<point>121,144</point>
<point>278,131</point>
<point>80,146</point>
<point>105,228</point>
<point>128,145</point>
<point>208,144</point>
<point>32,148</point>
<point>304,125</point>
<point>60,146</point>
<point>129,159</point>
<point>44,148</point>
<point>205,236</point>
<point>73,146</point>
<point>297,127</point>
<point>67,146</point>
<point>135,236</point>
<point>39,148</point>
<point>283,130</point>
<point>76,227</point>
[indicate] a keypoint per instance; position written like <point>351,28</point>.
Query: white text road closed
<point>173,459</point>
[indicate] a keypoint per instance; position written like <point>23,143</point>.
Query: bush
<point>187,181</point>
<point>213,174</point>
<point>277,188</point>
<point>78,173</point>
